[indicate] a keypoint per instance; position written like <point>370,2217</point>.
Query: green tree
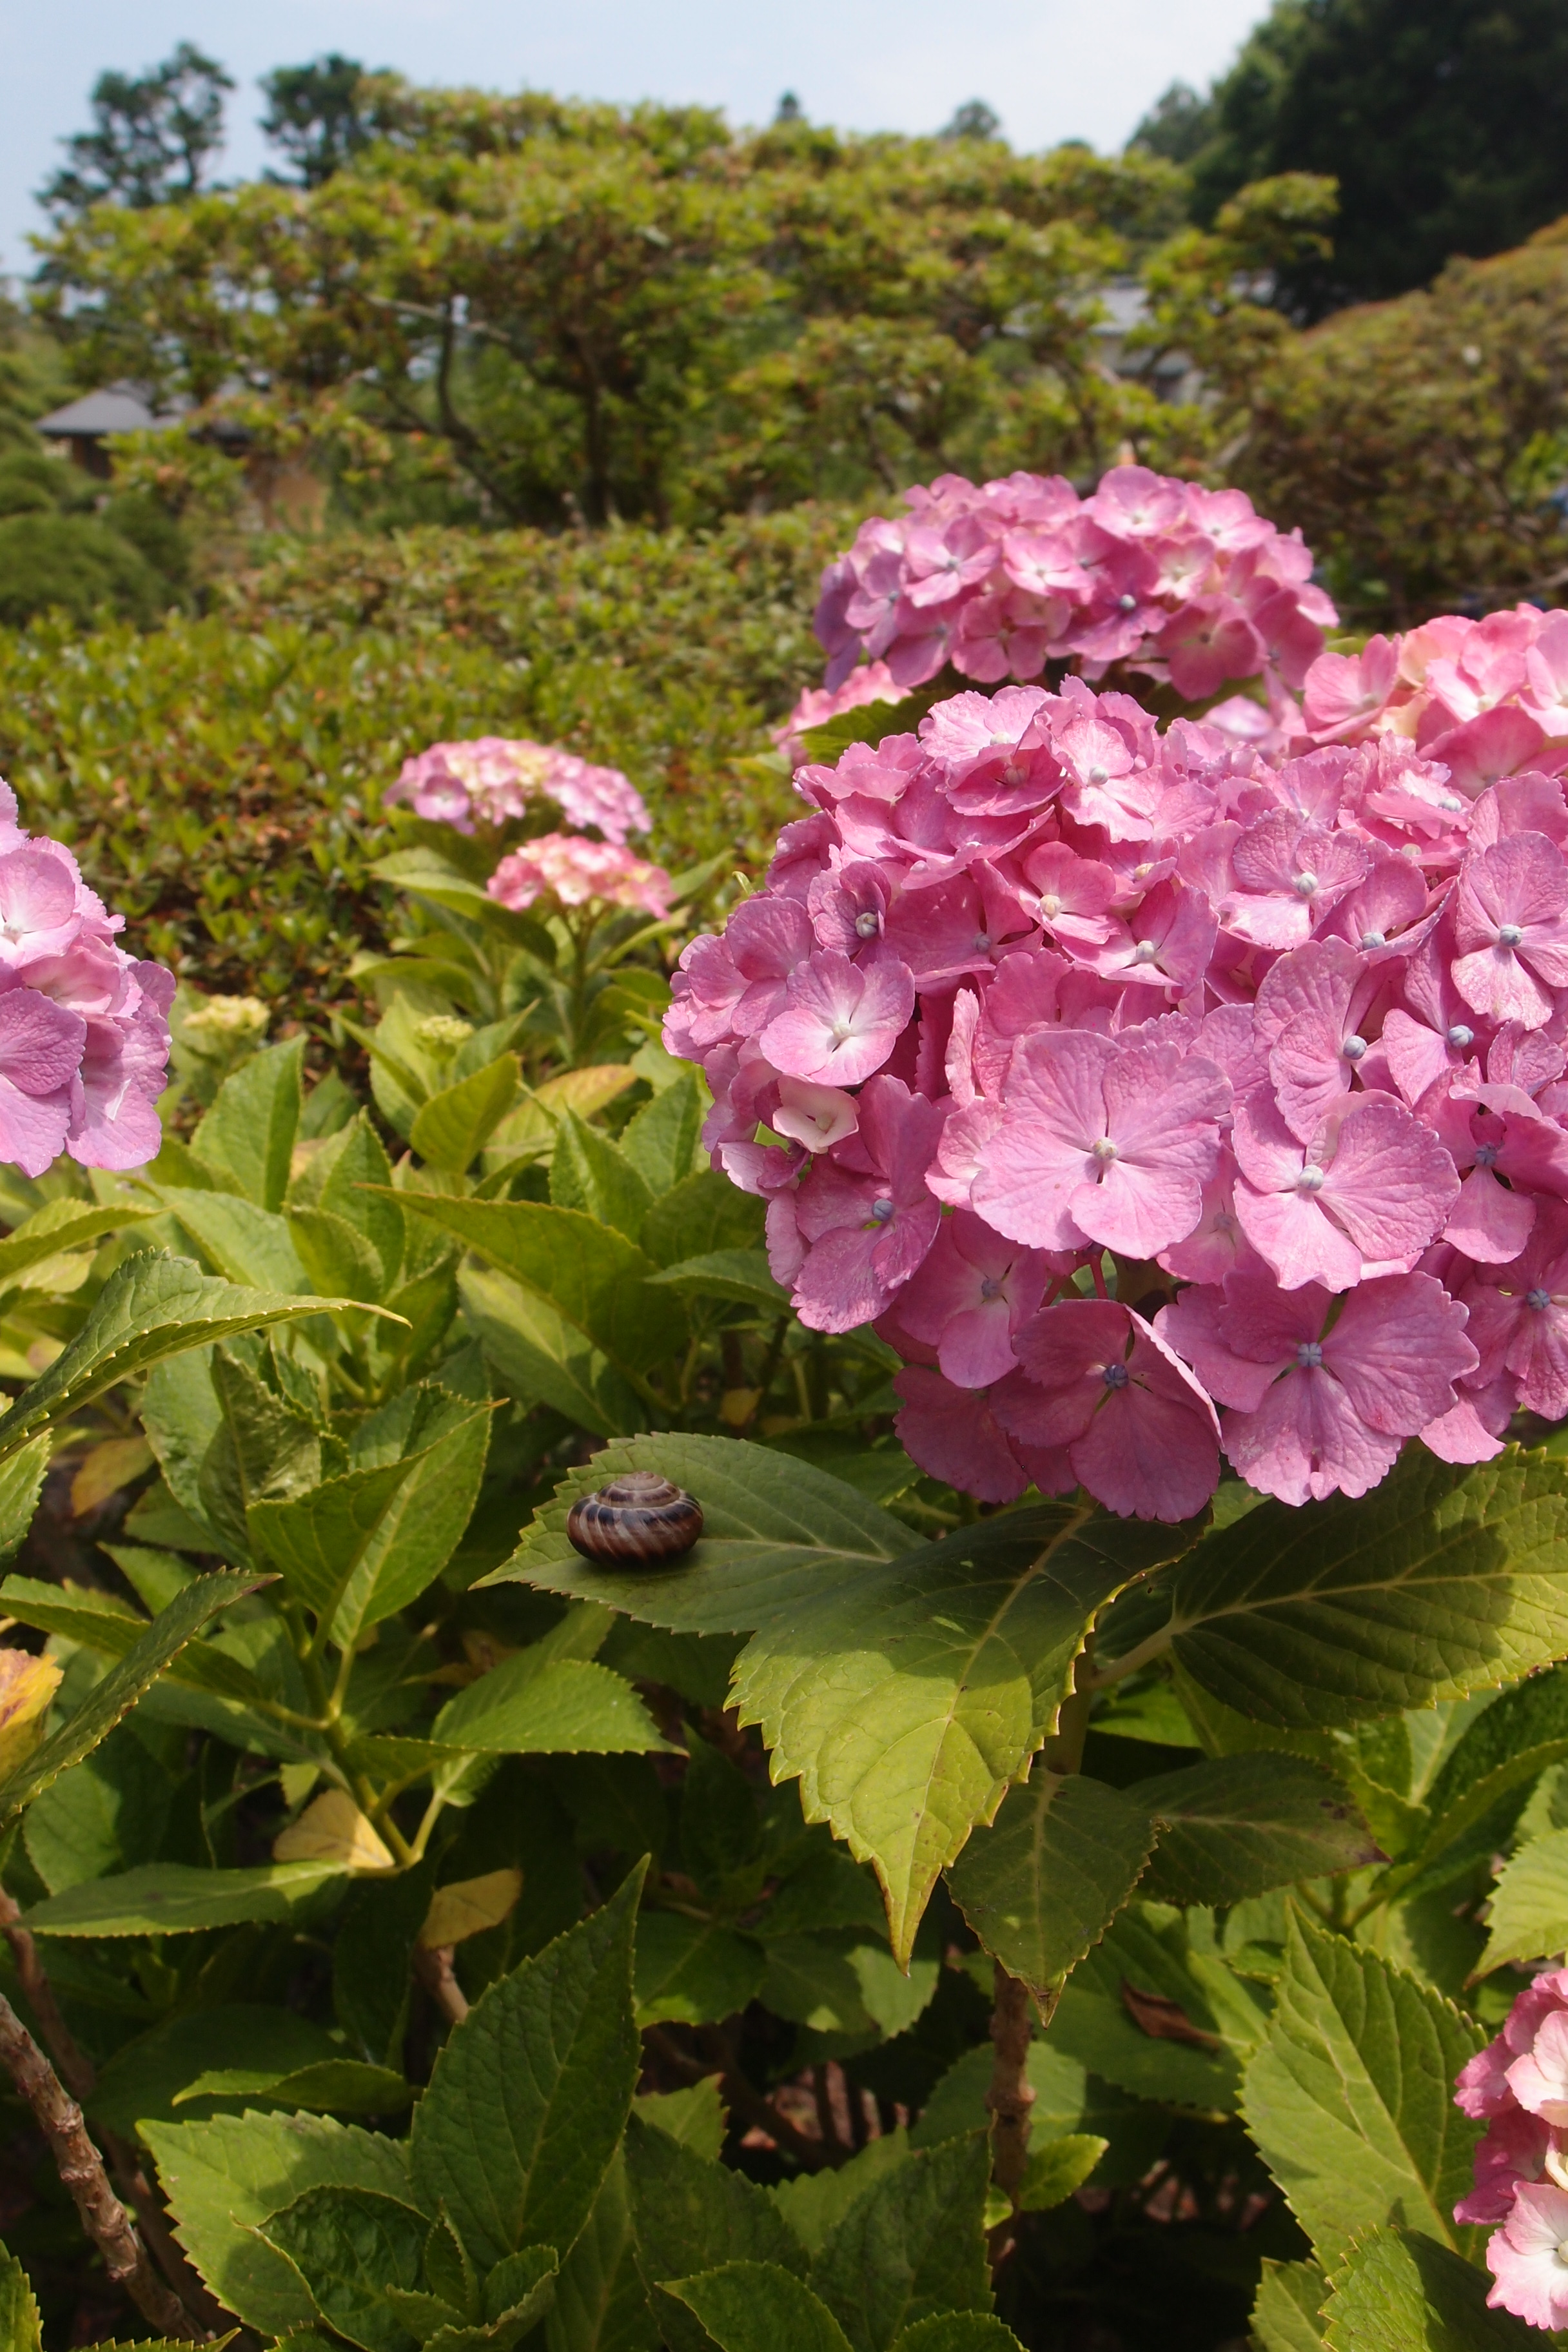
<point>153,134</point>
<point>1445,123</point>
<point>317,115</point>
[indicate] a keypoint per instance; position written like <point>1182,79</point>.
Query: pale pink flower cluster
<point>1041,983</point>
<point>1518,2085</point>
<point>84,1028</point>
<point>1487,698</point>
<point>1185,585</point>
<point>573,870</point>
<point>495,778</point>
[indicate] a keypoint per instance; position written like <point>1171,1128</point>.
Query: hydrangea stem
<point>81,2168</point>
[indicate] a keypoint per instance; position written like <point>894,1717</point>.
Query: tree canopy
<point>1443,121</point>
<point>541,309</point>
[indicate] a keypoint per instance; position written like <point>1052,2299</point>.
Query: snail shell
<point>637,1518</point>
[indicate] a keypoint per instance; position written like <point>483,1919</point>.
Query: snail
<point>638,1518</point>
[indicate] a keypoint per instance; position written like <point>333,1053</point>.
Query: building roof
<point>114,408</point>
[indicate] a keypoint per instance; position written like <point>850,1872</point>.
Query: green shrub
<point>73,564</point>
<point>220,777</point>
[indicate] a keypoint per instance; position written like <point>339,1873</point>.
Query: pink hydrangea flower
<point>970,1296</point>
<point>1099,1139</point>
<point>862,1220</point>
<point>495,777</point>
<point>573,871</point>
<point>1097,1381</point>
<point>1519,2085</point>
<point>1369,1191</point>
<point>1319,1403</point>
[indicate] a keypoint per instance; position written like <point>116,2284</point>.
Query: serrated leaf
<point>1239,1825</point>
<point>314,1541</point>
<point>694,1971</point>
<point>814,2204</point>
<point>1285,2314</point>
<point>349,2245</point>
<point>1399,2291</point>
<point>122,1686</point>
<point>224,2177</point>
<point>332,1828</point>
<point>599,2304</point>
<point>1350,2098</point>
<point>344,2086</point>
<point>663,1139</point>
<point>1056,2167</point>
<point>1046,1880</point>
<point>1442,1581</point>
<point>466,1906</point>
<point>906,1698</point>
<point>106,1813</point>
<point>249,1134</point>
<point>592,1275</point>
<point>170,1898</point>
<point>240,1240</point>
<point>701,1213</point>
<point>143,2080</point>
<point>21,1483</point>
<point>1158,2018</point>
<point>61,1225</point>
<point>776,1531</point>
<point>690,2215</point>
<point>1509,1744</point>
<point>760,2308</point>
<point>551,1707</point>
<point>151,1306</point>
<point>740,1275</point>
<point>452,1128</point>
<point>544,1360</point>
<point>959,2331</point>
<point>1528,1918</point>
<point>912,2246</point>
<point>530,2092</point>
<point>696,2116</point>
<point>21,2328</point>
<point>587,1170</point>
<point>845,1987</point>
<point>338,1261</point>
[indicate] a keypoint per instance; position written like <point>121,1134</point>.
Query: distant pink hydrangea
<point>84,1028</point>
<point>1517,2086</point>
<point>572,870</point>
<point>1487,698</point>
<point>495,777</point>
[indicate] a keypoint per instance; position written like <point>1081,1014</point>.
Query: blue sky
<point>1052,68</point>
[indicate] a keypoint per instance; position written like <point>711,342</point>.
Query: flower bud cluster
<point>84,1027</point>
<point>1518,2085</point>
<point>1185,585</point>
<point>1040,1004</point>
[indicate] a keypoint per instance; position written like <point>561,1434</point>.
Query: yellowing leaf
<point>333,1829</point>
<point>469,1906</point>
<point>26,1687</point>
<point>106,1469</point>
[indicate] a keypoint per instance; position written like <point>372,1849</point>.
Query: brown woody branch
<point>81,2168</point>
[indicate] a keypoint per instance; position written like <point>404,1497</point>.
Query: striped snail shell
<point>639,1517</point>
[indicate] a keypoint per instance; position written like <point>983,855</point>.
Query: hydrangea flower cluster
<point>1040,983</point>
<point>1181,583</point>
<point>495,778</point>
<point>1518,2085</point>
<point>84,1027</point>
<point>1487,698</point>
<point>573,870</point>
